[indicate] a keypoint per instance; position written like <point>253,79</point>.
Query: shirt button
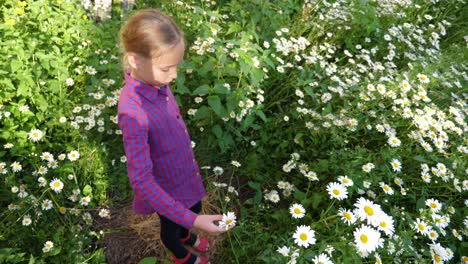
<point>167,98</point>
<point>186,131</point>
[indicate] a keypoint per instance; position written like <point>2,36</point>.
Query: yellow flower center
<point>303,237</point>
<point>347,215</point>
<point>433,205</point>
<point>368,210</point>
<point>57,184</point>
<point>437,258</point>
<point>386,188</point>
<point>297,211</point>
<point>345,180</point>
<point>421,227</point>
<point>383,224</point>
<point>364,238</point>
<point>228,222</point>
<point>336,192</point>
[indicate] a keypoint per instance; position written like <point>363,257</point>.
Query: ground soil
<point>130,237</point>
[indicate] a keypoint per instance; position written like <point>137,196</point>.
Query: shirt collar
<point>144,89</point>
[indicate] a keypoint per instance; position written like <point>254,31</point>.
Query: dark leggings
<point>171,233</point>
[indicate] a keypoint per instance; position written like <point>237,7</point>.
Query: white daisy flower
<point>27,220</point>
<point>386,224</point>
<point>367,210</point>
<point>56,185</point>
<point>228,221</point>
<point>421,227</point>
<point>394,142</point>
<point>304,236</point>
<point>85,200</point>
<point>297,210</point>
<point>16,166</point>
<point>337,191</point>
<point>322,259</point>
<point>46,204</point>
<point>347,216</point>
<point>235,163</point>
<point>346,181</point>
<point>73,155</point>
<point>367,240</point>
<point>104,213</point>
<point>283,251</point>
<point>434,205</point>
<point>396,165</point>
<point>35,135</point>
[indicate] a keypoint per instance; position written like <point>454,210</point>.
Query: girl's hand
<point>206,223</point>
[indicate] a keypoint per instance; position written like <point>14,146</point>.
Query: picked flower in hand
<point>229,220</point>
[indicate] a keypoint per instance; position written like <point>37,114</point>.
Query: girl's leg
<point>170,236</point>
<point>184,233</point>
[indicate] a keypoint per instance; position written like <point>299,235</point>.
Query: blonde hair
<point>148,33</point>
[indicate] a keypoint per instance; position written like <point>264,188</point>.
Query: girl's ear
<point>133,60</point>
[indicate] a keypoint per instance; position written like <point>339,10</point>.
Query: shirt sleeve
<point>134,125</point>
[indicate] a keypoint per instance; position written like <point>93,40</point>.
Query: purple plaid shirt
<point>163,172</point>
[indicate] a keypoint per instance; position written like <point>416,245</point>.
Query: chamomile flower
<point>347,216</point>
<point>394,142</point>
<point>433,235</point>
<point>16,166</point>
<point>104,213</point>
<point>26,220</point>
<point>283,251</point>
<point>304,236</point>
<point>235,163</point>
<point>396,165</point>
<point>421,227</point>
<point>228,221</point>
<point>297,210</point>
<point>73,155</point>
<point>56,185</point>
<point>35,135</point>
<point>434,205</point>
<point>423,78</point>
<point>337,191</point>
<point>85,200</point>
<point>386,224</point>
<point>322,259</point>
<point>366,240</point>
<point>46,204</point>
<point>218,170</point>
<point>367,210</point>
<point>368,167</point>
<point>346,181</point>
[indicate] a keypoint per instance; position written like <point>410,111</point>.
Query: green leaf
<point>87,190</point>
<point>15,65</point>
<point>218,131</point>
<point>261,115</point>
<point>148,260</point>
<point>201,90</point>
<point>215,103</point>
<point>202,113</point>
<point>23,89</point>
<point>299,195</point>
<point>420,158</point>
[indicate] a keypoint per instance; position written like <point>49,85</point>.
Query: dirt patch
<point>130,237</point>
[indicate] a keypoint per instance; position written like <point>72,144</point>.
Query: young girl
<point>163,172</point>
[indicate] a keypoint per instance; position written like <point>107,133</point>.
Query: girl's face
<point>158,71</point>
